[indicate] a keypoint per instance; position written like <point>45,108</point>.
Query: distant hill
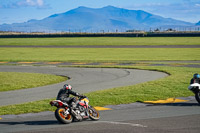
<point>83,19</point>
<point>198,24</point>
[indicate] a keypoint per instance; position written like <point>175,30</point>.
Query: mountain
<point>198,24</point>
<point>83,19</point>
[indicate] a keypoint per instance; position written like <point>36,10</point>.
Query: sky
<point>17,11</point>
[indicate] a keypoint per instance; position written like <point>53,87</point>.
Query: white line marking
<point>120,123</point>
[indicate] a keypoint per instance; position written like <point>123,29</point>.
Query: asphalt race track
<point>82,80</point>
<point>136,117</point>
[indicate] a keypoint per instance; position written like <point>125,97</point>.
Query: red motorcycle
<point>66,114</point>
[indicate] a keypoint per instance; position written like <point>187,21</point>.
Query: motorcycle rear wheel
<point>93,113</point>
<point>197,96</point>
<point>62,117</point>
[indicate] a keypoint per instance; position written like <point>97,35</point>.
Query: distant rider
<point>195,79</point>
<point>64,94</point>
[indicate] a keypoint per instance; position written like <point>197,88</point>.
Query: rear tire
<point>93,113</point>
<point>197,96</point>
<point>62,117</point>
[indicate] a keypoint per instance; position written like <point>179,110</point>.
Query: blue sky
<point>15,11</point>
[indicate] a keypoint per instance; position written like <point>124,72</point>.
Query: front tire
<point>93,113</point>
<point>197,96</point>
<point>62,117</point>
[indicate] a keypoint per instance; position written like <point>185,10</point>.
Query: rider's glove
<point>82,96</point>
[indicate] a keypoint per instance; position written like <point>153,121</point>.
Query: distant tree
<point>157,30</point>
<point>170,29</point>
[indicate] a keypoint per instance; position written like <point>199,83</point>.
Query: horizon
<point>18,11</point>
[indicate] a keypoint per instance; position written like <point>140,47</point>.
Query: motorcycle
<point>195,88</point>
<point>66,114</point>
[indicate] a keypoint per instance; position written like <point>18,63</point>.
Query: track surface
<point>137,117</point>
<point>82,80</point>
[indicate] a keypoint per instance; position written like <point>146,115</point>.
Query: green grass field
<point>102,41</point>
<point>16,80</point>
<point>97,54</point>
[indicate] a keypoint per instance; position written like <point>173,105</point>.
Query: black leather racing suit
<point>64,94</point>
<point>195,80</point>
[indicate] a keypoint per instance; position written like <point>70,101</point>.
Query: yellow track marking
<point>26,62</point>
<point>169,100</point>
<point>102,108</point>
<point>0,118</point>
<point>53,62</point>
<point>3,62</point>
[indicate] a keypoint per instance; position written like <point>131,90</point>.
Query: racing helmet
<point>196,76</point>
<point>67,87</point>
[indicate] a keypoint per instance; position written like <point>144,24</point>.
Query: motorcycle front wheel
<point>197,96</point>
<point>93,113</point>
<point>62,117</point>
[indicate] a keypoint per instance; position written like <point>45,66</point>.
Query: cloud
<point>25,3</point>
<point>34,3</point>
<point>198,5</point>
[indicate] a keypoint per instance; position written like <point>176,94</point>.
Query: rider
<point>64,94</point>
<point>195,79</point>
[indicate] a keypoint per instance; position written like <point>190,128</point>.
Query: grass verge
<point>97,54</point>
<point>174,85</point>
<point>16,80</point>
<point>101,41</point>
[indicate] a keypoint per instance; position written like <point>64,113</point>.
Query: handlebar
<point>82,97</point>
